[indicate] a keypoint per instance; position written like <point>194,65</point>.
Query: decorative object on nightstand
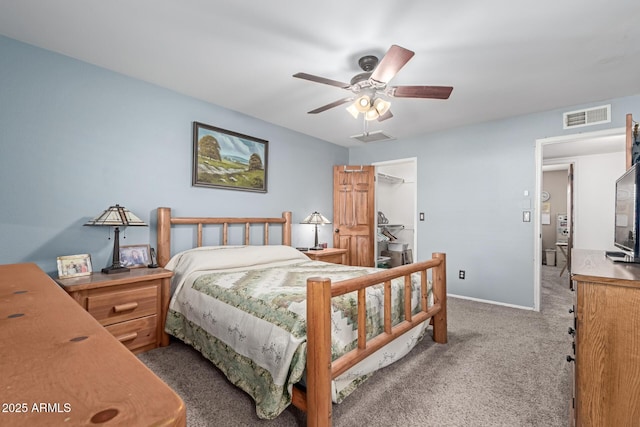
<point>116,216</point>
<point>74,265</point>
<point>316,218</point>
<point>134,256</point>
<point>154,259</point>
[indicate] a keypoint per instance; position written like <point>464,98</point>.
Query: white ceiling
<point>503,58</point>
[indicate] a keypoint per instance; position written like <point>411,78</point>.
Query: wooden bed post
<point>286,229</point>
<point>164,236</point>
<point>439,277</point>
<point>318,352</point>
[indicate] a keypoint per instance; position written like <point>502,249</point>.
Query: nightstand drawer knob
<point>125,307</point>
<point>128,337</point>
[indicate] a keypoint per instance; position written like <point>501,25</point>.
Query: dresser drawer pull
<point>125,307</point>
<point>128,337</point>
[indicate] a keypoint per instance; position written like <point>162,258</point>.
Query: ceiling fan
<point>368,85</point>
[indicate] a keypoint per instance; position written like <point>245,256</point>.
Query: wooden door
<point>353,213</point>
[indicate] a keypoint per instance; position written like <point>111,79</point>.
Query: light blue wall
<point>75,138</point>
<point>471,184</point>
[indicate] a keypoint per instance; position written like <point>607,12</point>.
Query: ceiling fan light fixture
<point>363,103</point>
<point>353,111</point>
<point>371,114</point>
<point>381,106</point>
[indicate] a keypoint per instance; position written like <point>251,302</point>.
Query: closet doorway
<point>396,196</point>
<point>374,211</point>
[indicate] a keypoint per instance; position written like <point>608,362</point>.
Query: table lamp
<point>116,216</point>
<point>316,218</point>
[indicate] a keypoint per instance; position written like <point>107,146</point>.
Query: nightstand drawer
<point>113,307</point>
<point>135,333</point>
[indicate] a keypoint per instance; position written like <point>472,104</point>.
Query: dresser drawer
<point>135,333</point>
<point>118,306</point>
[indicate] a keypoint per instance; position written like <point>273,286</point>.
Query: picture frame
<point>135,256</point>
<point>74,266</point>
<point>228,160</point>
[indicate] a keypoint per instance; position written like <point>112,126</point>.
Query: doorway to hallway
<point>598,158</point>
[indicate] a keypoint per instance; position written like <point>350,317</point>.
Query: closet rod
<point>353,170</point>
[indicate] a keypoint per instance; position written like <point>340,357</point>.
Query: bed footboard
<point>320,369</point>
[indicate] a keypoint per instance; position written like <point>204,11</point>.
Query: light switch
<point>526,216</point>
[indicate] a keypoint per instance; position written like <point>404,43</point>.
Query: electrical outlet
<point>461,274</point>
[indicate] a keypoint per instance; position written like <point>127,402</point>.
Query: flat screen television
<point>627,217</point>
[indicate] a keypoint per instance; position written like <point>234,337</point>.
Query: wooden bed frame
<point>316,401</point>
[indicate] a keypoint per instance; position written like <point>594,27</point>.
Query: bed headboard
<point>165,221</point>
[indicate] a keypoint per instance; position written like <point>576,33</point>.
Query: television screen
<point>626,221</point>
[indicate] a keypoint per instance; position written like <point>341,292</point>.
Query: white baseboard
<point>521,307</point>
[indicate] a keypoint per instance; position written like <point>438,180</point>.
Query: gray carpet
<point>501,367</point>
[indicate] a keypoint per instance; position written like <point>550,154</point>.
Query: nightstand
<point>334,255</point>
<point>132,306</point>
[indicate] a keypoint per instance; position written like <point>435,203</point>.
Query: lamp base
<point>114,269</point>
<point>316,248</point>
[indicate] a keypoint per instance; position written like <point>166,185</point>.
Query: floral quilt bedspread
<point>244,308</point>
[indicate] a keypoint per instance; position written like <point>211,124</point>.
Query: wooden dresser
<point>607,341</point>
<point>131,305</point>
<point>59,366</point>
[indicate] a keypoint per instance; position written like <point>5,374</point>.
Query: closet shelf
<point>390,226</point>
<point>390,178</point>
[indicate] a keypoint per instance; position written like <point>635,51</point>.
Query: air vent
<point>373,136</point>
<point>587,117</point>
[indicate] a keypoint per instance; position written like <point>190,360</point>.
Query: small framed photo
<point>134,256</point>
<point>74,265</point>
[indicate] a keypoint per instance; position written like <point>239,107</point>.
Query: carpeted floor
<point>501,367</point>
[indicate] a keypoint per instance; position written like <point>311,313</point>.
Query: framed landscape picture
<point>229,160</point>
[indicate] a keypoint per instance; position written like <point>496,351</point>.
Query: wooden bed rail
<point>320,369</point>
<point>165,221</point>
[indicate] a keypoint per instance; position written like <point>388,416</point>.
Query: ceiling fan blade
<point>329,106</point>
<point>437,92</point>
<point>391,63</point>
<point>385,116</point>
<point>323,80</point>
